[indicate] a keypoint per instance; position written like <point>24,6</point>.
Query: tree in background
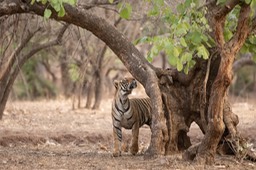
<point>198,42</point>
<point>13,59</point>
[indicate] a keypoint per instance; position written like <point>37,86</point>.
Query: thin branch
<point>57,41</point>
<point>27,56</point>
<point>101,4</point>
<point>6,65</point>
<point>48,69</point>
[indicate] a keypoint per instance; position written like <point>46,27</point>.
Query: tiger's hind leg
<point>135,135</point>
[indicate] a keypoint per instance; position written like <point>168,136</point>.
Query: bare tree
<point>10,65</point>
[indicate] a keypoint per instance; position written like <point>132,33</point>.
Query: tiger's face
<point>126,85</point>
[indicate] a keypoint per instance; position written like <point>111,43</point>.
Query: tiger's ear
<point>116,84</point>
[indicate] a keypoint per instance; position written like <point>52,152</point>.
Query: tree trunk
<point>66,82</point>
<point>98,91</point>
<point>90,94</point>
<point>99,79</point>
<point>216,126</point>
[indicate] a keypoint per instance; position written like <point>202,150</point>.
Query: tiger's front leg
<point>135,135</point>
<point>117,134</point>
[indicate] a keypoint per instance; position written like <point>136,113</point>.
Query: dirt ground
<point>48,134</point>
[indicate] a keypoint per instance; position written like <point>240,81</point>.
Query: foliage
<point>125,9</point>
<point>32,84</point>
<point>57,5</point>
<point>74,72</point>
<point>230,26</point>
<point>185,36</point>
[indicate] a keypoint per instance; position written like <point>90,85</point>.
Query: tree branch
<point>243,28</point>
<point>30,54</point>
<point>118,43</point>
<point>6,65</point>
<point>38,48</point>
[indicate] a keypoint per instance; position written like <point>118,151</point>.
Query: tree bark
<point>66,82</point>
<point>228,50</point>
<point>99,78</point>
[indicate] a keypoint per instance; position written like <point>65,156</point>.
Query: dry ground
<point>49,135</point>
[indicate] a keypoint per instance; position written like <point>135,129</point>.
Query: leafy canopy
<point>184,35</point>
<point>186,32</point>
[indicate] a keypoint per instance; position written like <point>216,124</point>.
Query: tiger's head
<point>125,86</point>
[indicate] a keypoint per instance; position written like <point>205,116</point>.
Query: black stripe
<point>120,101</point>
<point>118,115</point>
<point>117,108</point>
<point>116,127</point>
<point>130,117</point>
<point>128,107</point>
<point>116,118</point>
<point>118,133</point>
<point>119,136</point>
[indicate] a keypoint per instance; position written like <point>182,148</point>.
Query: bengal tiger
<point>129,114</point>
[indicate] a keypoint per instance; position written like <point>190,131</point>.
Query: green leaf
<point>144,39</point>
<point>244,49</point>
<point>186,69</point>
<point>44,2</point>
<point>179,65</point>
<point>150,57</point>
<point>32,2</point>
<point>202,51</point>
<point>152,53</point>
<point>47,13</point>
<point>168,45</point>
<point>111,1</point>
<point>247,1</point>
<point>220,2</point>
<point>186,57</point>
<point>126,11</point>
<point>71,2</point>
<point>176,52</point>
<point>180,31</point>
<point>187,3</point>
<point>181,8</point>
<point>228,34</point>
<point>196,38</point>
<point>62,12</point>
<point>154,11</point>
<point>183,42</point>
<point>172,60</point>
<point>56,5</point>
<point>73,72</point>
